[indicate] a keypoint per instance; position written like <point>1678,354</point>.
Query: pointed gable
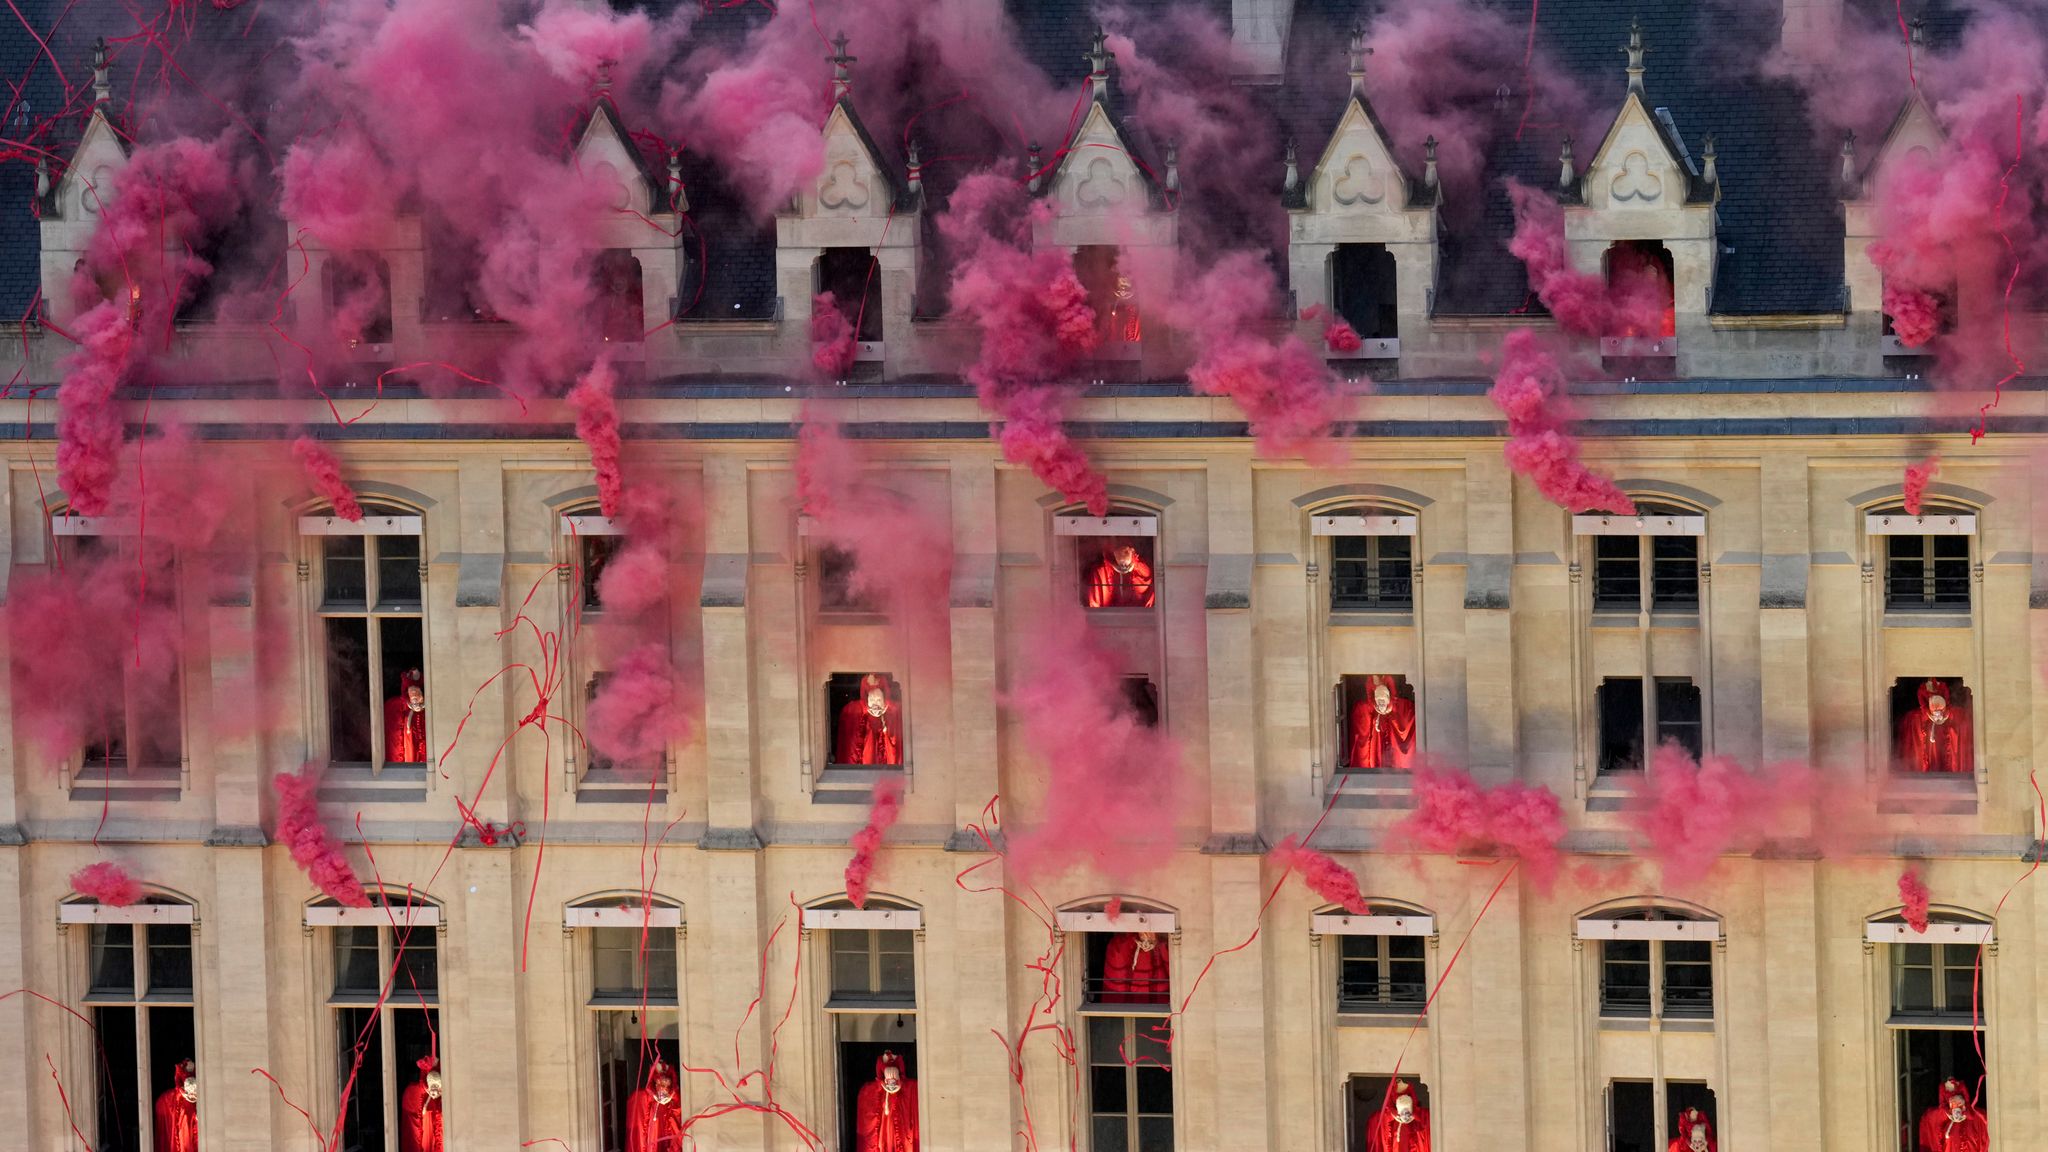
<point>1097,176</point>
<point>856,182</point>
<point>1639,164</point>
<point>1915,137</point>
<point>607,152</point>
<point>96,164</point>
<point>1357,172</point>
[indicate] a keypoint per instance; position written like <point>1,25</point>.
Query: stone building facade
<point>1773,603</point>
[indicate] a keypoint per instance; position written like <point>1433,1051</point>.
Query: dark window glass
<point>1678,715</point>
<point>1674,573</point>
<point>837,591</point>
<point>113,958</point>
<point>356,969</point>
<point>1381,974</point>
<point>1369,573</point>
<point>1625,978</point>
<point>617,294</point>
<point>1688,978</point>
<point>1935,980</point>
<point>1927,573</point>
<point>344,579</point>
<point>418,958</point>
<point>358,1037</point>
<point>596,553</point>
<point>1362,290</point>
<point>348,676</point>
<point>115,1030</point>
<point>1130,1080</point>
<point>873,965</point>
<point>170,961</point>
<point>1620,704</point>
<point>398,573</point>
<point>1631,1116</point>
<point>625,966</point>
<point>1617,573</point>
<point>854,279</point>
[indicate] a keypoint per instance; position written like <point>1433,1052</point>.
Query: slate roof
<point>1779,217</point>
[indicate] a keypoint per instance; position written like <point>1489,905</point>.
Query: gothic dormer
<point>636,269</point>
<point>1644,206</point>
<point>71,203</point>
<point>1362,234</point>
<point>1100,192</point>
<point>1914,139</point>
<point>852,233</point>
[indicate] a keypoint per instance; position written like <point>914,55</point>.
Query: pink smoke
<point>1529,389</point>
<point>1916,315</point>
<point>868,841</point>
<point>1325,877</point>
<point>95,639</point>
<point>1914,897</point>
<point>1110,782</point>
<point>1035,326</point>
<point>168,199</point>
<point>339,190</point>
<point>1918,477</point>
<point>1584,304</point>
<point>323,471</point>
<point>577,43</point>
<point>597,425</point>
<point>832,344</point>
<point>315,850</point>
<point>902,555</point>
<point>1455,814</point>
<point>1687,814</point>
<point>1338,335</point>
<point>108,883</point>
<point>639,710</point>
<point>760,113</point>
<point>89,420</point>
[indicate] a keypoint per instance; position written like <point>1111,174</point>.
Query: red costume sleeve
<point>1117,962</point>
<point>1141,585</point>
<point>1360,750</point>
<point>1401,723</point>
<point>177,1123</point>
<point>405,733</point>
<point>848,733</point>
<point>1102,585</point>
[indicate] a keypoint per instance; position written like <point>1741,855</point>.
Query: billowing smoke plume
<point>1325,877</point>
<point>1456,814</point>
<point>1529,389</point>
<point>1688,813</point>
<point>108,883</point>
<point>1913,899</point>
<point>323,471</point>
<point>313,848</point>
<point>867,842</point>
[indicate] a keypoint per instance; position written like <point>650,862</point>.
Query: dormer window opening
<point>853,278</point>
<point>1362,290</point>
<point>1639,278</point>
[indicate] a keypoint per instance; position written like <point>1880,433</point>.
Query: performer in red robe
<point>1134,971</point>
<point>654,1113</point>
<point>1401,1124</point>
<point>420,1126</point>
<point>870,729</point>
<point>1121,580</point>
<point>1382,728</point>
<point>1953,1125</point>
<point>177,1112</point>
<point>885,1116</point>
<point>405,722</point>
<point>1693,1133</point>
<point>1935,737</point>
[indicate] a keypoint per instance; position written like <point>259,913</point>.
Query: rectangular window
<point>837,589</point>
<point>1362,290</point>
<point>865,710</point>
<point>1381,974</point>
<point>1625,977</point>
<point>1372,573</point>
<point>629,965</point>
<point>1927,573</point>
<point>1376,718</point>
<point>136,732</point>
<point>372,630</point>
<point>1368,1098</point>
<point>634,996</point>
<point>140,1001</point>
<point>1632,1116</point>
<point>595,552</point>
<point>1670,979</point>
<point>378,1048</point>
<point>1116,571</point>
<point>1678,715</point>
<point>1128,968</point>
<point>1618,573</point>
<point>1931,727</point>
<point>1130,1085</point>
<point>1673,574</point>
<point>1688,979</point>
<point>873,967</point>
<point>616,295</point>
<point>853,277</point>
<point>1925,1059</point>
<point>1619,701</point>
<point>1935,980</point>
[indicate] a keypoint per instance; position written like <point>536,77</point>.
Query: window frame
<point>380,519</point>
<point>1386,1001</point>
<point>1934,523</point>
<point>156,913</point>
<point>1122,1057</point>
<point>1656,521</point>
<point>77,769</point>
<point>1657,928</point>
<point>662,923</point>
<point>1653,729</point>
<point>389,913</point>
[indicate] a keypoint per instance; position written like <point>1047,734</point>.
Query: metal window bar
<point>1617,573</point>
<point>1927,573</point>
<point>1674,573</point>
<point>1371,573</point>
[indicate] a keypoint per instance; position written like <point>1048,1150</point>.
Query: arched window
<point>871,956</point>
<point>1639,275</point>
<point>140,995</point>
<point>369,607</point>
<point>1382,964</point>
<point>133,722</point>
<point>1655,962</point>
<point>616,283</point>
<point>1937,975</point>
<point>1127,955</point>
<point>382,968</point>
<point>1926,557</point>
<point>629,946</point>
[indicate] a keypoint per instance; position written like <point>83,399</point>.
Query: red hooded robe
<point>177,1119</point>
<point>420,1126</point>
<point>1939,1133</point>
<point>405,731</point>
<point>652,1126</point>
<point>1110,588</point>
<point>1930,746</point>
<point>865,739</point>
<point>1131,975</point>
<point>1689,1119</point>
<point>1382,740</point>
<point>1386,1133</point>
<point>885,1122</point>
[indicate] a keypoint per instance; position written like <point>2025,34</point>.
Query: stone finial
<point>1359,52</point>
<point>1172,167</point>
<point>1917,34</point>
<point>1429,163</point>
<point>1565,175</point>
<point>1503,98</point>
<point>1034,167</point>
<point>1850,183</point>
<point>1099,59</point>
<point>842,79</point>
<point>42,178</point>
<point>604,77</point>
<point>915,166</point>
<point>678,196</point>
<point>1636,51</point>
<point>1292,179</point>
<point>1708,170</point>
<point>102,85</point>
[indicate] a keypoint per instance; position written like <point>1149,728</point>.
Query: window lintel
<point>1647,524</point>
<point>1377,924</point>
<point>369,525</point>
<point>1941,523</point>
<point>1358,524</point>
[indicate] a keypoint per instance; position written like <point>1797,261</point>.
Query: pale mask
<point>190,1088</point>
<point>664,1091</point>
<point>1404,1109</point>
<point>433,1083</point>
<point>892,1080</point>
<point>1382,700</point>
<point>1937,709</point>
<point>877,703</point>
<point>1125,558</point>
<point>1957,1110</point>
<point>1147,941</point>
<point>1698,1143</point>
<point>416,699</point>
